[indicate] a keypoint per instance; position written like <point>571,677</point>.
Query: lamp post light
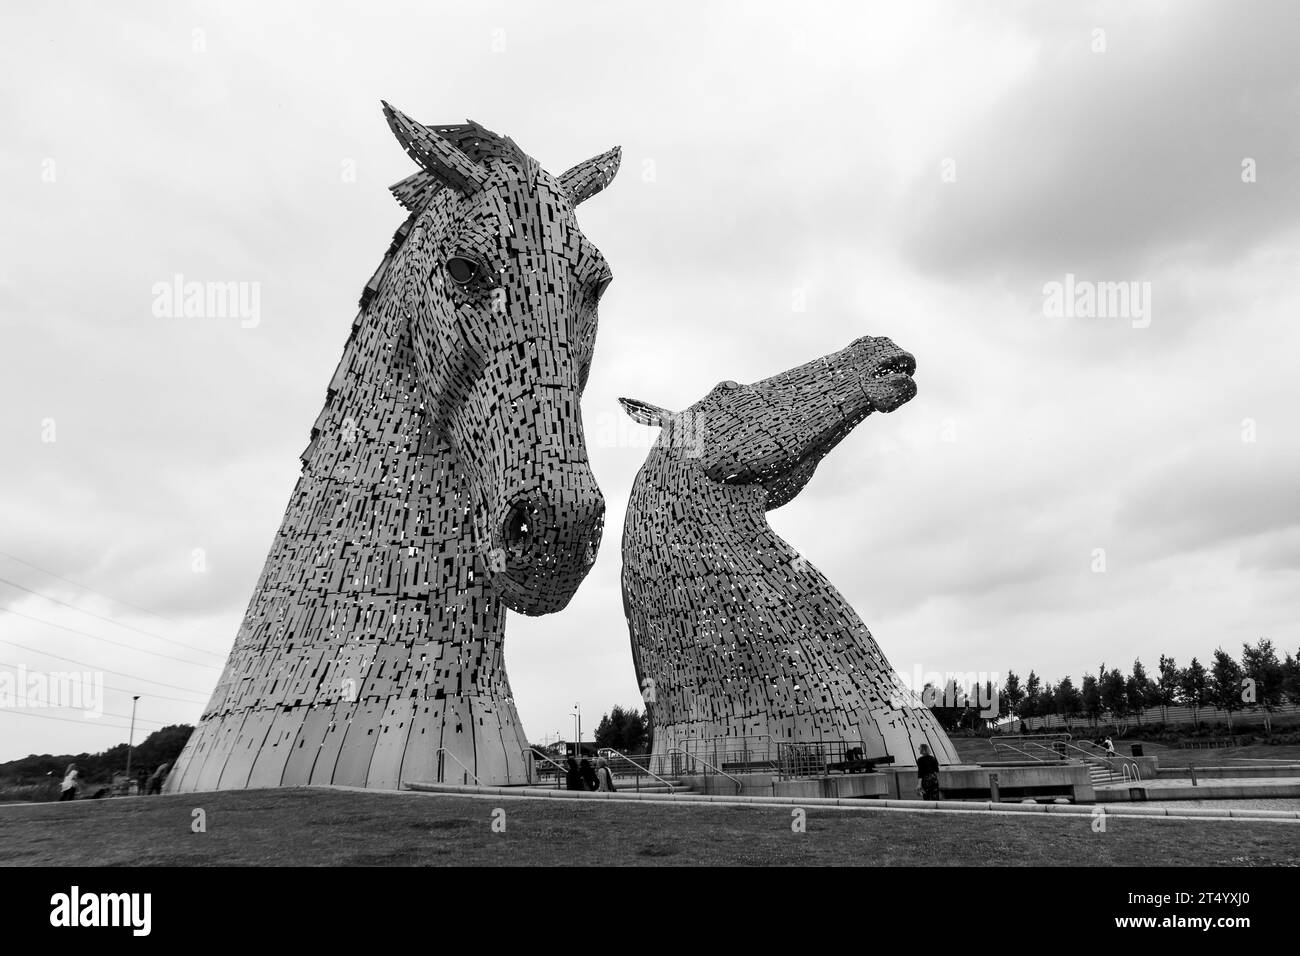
<point>130,743</point>
<point>577,719</point>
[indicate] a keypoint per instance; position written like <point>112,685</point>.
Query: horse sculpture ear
<point>645,413</point>
<point>439,158</point>
<point>586,179</point>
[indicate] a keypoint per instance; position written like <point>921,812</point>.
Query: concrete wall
<point>1070,780</point>
<point>755,784</point>
<point>845,785</point>
<point>1172,769</point>
<point>1214,791</point>
<point>1061,779</point>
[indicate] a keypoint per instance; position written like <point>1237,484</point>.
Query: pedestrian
<point>572,776</point>
<point>604,776</point>
<point>1110,747</point>
<point>927,774</point>
<point>588,775</point>
<point>68,790</point>
<point>155,781</point>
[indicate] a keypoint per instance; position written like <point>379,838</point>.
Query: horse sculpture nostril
<point>516,529</point>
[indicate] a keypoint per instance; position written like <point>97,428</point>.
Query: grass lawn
<point>338,828</point>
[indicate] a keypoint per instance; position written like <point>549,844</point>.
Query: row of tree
<point>1258,681</point>
<point>626,730</point>
<point>161,746</point>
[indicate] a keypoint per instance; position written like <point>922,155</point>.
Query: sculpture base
<point>358,744</point>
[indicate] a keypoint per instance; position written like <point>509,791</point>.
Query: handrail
<point>1013,747</point>
<point>1109,759</point>
<point>646,769</point>
<point>1054,754</point>
<point>1102,754</point>
<point>677,750</point>
<point>534,753</point>
<point>713,741</point>
<point>444,750</point>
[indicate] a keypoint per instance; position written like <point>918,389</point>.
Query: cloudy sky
<point>789,183</point>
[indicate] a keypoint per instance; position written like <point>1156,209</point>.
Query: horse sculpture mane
<point>741,645</point>
<point>446,481</point>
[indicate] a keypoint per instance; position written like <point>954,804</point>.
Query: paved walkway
<point>1205,783</point>
<point>1207,789</point>
<point>868,805</point>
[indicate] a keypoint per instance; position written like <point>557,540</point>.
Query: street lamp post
<point>577,718</point>
<point>130,743</point>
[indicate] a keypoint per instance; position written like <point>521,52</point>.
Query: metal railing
<point>742,760</point>
<point>1053,753</point>
<point>1029,746</point>
<point>1063,747</point>
<point>694,758</point>
<point>443,750</point>
<point>642,769</point>
<point>824,757</point>
<point>562,772</point>
<point>1003,745</point>
<point>718,749</point>
<point>623,765</point>
<point>1109,759</point>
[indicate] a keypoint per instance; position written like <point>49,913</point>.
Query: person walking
<point>604,776</point>
<point>927,774</point>
<point>68,789</point>
<point>588,775</point>
<point>1110,747</point>
<point>155,781</point>
<point>572,776</point>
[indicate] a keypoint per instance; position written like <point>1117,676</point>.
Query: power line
<point>80,720</point>
<point>110,620</point>
<point>106,640</point>
<point>70,720</point>
<point>71,660</point>
<point>124,690</point>
<point>76,584</point>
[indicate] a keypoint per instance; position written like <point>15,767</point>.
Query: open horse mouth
<point>889,383</point>
<point>900,364</point>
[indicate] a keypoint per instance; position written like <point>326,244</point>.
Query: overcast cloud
<point>912,170</point>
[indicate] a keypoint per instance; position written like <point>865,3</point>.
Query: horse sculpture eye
<point>461,270</point>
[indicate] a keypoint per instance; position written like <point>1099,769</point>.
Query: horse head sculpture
<point>740,644</point>
<point>446,482</point>
<point>501,298</point>
<point>773,433</point>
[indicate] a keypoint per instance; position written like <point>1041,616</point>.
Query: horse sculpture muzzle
<point>885,372</point>
<point>547,539</point>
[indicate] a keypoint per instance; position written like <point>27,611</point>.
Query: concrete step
<point>1100,776</point>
